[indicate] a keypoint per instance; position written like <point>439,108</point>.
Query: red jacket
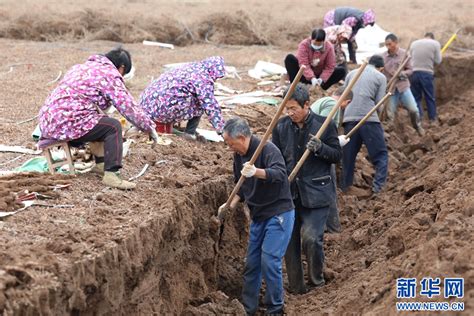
<point>309,57</point>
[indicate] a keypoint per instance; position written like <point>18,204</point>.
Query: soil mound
<point>91,25</point>
<point>238,28</point>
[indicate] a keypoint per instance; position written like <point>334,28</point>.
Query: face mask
<point>316,47</point>
<point>130,74</point>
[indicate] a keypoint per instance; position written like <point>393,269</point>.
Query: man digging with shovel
<point>368,91</point>
<point>313,191</point>
<point>267,193</point>
<point>393,58</point>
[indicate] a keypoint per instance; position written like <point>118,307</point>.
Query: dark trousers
<point>339,73</point>
<point>351,47</point>
<point>307,235</point>
<point>422,83</point>
<point>109,131</point>
<point>370,134</point>
<point>292,67</point>
<point>333,224</point>
<point>192,125</point>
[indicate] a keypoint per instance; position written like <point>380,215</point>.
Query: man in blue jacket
<point>313,191</point>
<point>267,193</point>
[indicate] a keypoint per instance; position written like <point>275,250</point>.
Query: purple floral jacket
<point>70,111</point>
<point>186,92</point>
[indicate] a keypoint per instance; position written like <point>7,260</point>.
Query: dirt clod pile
<point>237,28</point>
<point>154,250</point>
<point>14,187</point>
<point>420,226</point>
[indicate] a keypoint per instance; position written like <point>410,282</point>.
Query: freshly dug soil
<point>154,250</point>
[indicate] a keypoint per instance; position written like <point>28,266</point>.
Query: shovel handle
<point>399,70</point>
<point>267,134</point>
<point>328,120</point>
<point>366,117</point>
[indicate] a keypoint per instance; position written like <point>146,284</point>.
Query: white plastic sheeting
<point>370,40</point>
<point>265,69</point>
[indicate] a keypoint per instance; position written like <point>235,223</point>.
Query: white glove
<point>221,212</point>
<point>343,140</point>
<point>316,81</point>
<point>248,170</point>
<point>154,136</point>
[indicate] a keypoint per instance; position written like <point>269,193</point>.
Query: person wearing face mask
<point>318,56</point>
<point>73,112</point>
<point>313,192</point>
<point>186,93</point>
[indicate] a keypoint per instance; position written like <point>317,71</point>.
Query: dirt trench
<point>168,265</point>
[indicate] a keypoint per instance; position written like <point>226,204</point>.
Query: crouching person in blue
<point>313,191</point>
<point>267,193</point>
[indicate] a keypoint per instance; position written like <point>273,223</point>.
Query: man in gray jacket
<point>368,91</point>
<point>425,53</point>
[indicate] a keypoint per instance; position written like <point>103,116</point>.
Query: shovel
<point>366,117</point>
<point>263,141</point>
<point>391,83</point>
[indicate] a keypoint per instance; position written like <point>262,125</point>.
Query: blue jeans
<point>370,134</point>
<point>267,245</point>
<point>406,99</point>
<point>308,235</point>
<point>422,83</point>
<point>333,224</point>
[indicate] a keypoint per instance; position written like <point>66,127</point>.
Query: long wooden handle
<point>267,134</point>
<point>395,75</point>
<point>328,120</point>
<point>366,117</point>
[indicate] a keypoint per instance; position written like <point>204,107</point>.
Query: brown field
<point>153,251</point>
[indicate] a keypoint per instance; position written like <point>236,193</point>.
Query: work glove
<point>154,136</point>
<point>343,140</point>
<point>221,212</point>
<point>248,170</point>
<point>316,82</point>
<point>314,145</point>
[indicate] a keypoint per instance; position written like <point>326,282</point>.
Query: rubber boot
<point>113,179</point>
<point>416,123</point>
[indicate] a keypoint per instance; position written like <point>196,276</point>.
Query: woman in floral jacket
<point>73,112</point>
<point>185,93</point>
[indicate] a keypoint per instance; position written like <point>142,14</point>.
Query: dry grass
<point>244,22</point>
